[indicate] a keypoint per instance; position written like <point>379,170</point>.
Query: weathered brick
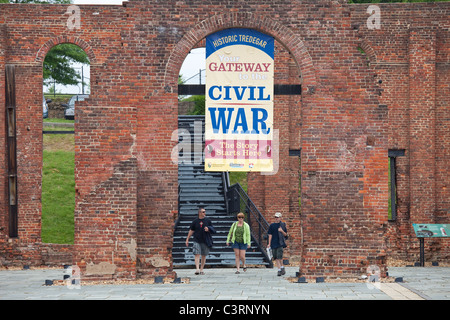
<point>126,183</point>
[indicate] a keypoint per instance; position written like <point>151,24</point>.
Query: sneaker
<point>283,271</point>
<point>279,273</point>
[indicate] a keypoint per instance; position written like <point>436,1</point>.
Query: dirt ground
<point>63,142</point>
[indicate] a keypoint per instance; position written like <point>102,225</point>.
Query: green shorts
<point>277,253</point>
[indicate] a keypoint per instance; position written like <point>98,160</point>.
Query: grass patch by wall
<point>58,189</point>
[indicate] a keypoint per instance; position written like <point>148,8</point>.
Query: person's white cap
<point>278,215</point>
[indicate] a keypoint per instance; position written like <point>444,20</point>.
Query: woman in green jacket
<point>239,236</point>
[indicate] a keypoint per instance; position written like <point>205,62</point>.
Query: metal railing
<point>239,201</point>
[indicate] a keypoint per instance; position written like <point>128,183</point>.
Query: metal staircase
<point>197,188</point>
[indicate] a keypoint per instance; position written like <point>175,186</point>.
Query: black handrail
<point>177,221</point>
<point>239,201</point>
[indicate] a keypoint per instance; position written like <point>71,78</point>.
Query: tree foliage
<point>58,63</point>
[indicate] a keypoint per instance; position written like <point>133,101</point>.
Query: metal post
<point>392,161</point>
<point>10,95</point>
<point>82,80</point>
<point>422,252</point>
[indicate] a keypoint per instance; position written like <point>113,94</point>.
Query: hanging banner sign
<point>239,101</point>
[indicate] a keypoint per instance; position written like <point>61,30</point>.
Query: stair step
<point>200,188</point>
<point>190,210</point>
<point>186,218</point>
<point>188,214</point>
<point>197,198</point>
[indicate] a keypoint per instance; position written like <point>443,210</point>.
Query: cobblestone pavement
<point>419,283</point>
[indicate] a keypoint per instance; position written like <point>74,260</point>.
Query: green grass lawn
<point>58,194</point>
<point>57,120</point>
<point>239,177</point>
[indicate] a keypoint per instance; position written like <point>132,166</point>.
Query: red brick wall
<point>106,187</point>
<point>410,55</point>
<point>344,123</point>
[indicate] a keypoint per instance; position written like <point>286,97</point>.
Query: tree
<point>58,63</point>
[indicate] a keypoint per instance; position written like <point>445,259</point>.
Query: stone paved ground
<point>223,284</point>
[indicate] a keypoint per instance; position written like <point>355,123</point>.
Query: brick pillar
<point>422,99</point>
<point>3,202</point>
<point>106,187</point>
<point>442,139</point>
<point>29,153</point>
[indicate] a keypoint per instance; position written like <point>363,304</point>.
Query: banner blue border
<point>240,36</point>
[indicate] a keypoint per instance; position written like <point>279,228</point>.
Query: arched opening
<point>288,120</point>
<point>66,74</point>
<point>192,72</point>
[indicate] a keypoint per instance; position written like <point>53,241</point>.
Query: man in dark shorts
<point>277,235</point>
<point>202,229</point>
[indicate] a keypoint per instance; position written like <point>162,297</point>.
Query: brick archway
<point>40,56</point>
<point>264,24</point>
<point>368,50</point>
<point>294,47</point>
